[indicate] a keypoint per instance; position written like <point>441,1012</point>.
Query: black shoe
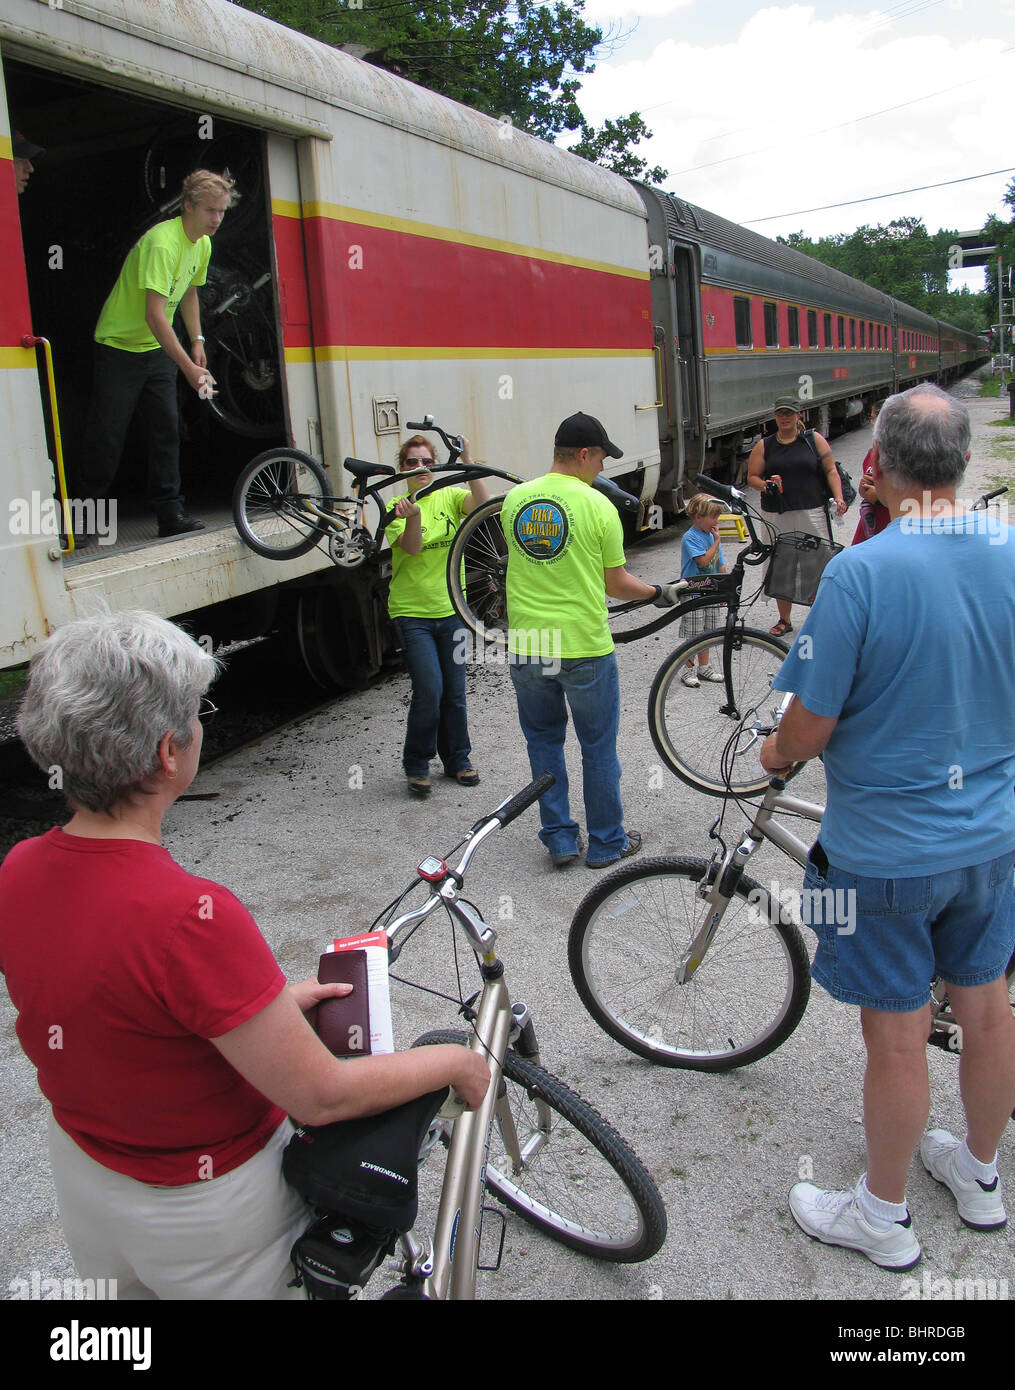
<point>178,524</point>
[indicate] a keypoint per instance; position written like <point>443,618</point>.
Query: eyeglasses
<point>206,710</point>
<point>418,463</point>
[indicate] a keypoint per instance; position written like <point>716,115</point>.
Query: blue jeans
<point>591,687</point>
<point>437,719</point>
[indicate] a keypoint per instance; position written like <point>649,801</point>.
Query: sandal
<point>781,628</point>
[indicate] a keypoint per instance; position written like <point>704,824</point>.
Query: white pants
<point>228,1237</point>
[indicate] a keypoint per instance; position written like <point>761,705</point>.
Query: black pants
<point>125,384</point>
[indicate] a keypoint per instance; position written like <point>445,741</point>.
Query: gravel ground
<point>312,829</point>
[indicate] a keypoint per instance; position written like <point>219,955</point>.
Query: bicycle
<point>540,1149</point>
<point>711,972</point>
<point>242,349</point>
<point>688,728</point>
<point>691,728</point>
<point>284,506</point>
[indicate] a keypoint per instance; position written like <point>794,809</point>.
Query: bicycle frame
<point>447,1270</point>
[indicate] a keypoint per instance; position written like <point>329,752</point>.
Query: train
<point>393,253</point>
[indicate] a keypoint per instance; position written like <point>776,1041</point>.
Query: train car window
<point>793,316</point>
<point>870,334</point>
<point>828,330</point>
<point>742,322</point>
<point>879,337</point>
<point>812,328</point>
<point>852,333</point>
<point>842,331</point>
<point>771,325</point>
<point>863,334</point>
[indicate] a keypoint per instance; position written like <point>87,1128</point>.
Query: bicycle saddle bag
<point>364,1170</point>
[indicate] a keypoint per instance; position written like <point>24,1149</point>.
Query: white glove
<point>669,594</point>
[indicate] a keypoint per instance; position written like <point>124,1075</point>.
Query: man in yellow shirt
<point>565,554</point>
<point>138,354</point>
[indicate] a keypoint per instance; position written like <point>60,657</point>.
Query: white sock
<point>879,1213</point>
<point>971,1168</point>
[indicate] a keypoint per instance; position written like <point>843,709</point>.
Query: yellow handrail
<point>29,341</point>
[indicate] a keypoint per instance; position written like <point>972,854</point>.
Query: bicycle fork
<point>717,889</point>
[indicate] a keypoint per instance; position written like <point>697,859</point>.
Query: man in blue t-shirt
<point>904,677</point>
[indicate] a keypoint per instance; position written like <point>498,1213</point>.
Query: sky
<point>763,112</point>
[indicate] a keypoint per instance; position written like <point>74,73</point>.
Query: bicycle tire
<point>619,1198</point>
<point>477,573</point>
<point>746,997</point>
<point>477,583</point>
<point>687,725</point>
<point>267,505</point>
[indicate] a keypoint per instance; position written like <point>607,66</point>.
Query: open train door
<point>687,351</point>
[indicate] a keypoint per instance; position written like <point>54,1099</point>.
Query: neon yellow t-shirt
<point>164,260</point>
<point>561,535</point>
<point>419,583</point>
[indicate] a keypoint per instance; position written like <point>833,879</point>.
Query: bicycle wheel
<point>477,573</point>
<point>477,583</point>
<point>689,727</point>
<point>628,939</point>
<point>577,1180</point>
<point>273,503</point>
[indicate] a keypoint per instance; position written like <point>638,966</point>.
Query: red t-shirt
<point>121,965</point>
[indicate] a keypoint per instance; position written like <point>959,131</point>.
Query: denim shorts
<point>881,941</point>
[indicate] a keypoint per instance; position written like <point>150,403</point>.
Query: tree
<point>903,260</point>
<point>519,60</point>
<point>610,146</point>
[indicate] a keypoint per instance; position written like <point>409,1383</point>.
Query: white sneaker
<point>835,1218</point>
<point>688,678</point>
<point>706,673</point>
<point>980,1205</point>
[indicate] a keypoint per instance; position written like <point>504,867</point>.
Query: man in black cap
<point>24,153</point>
<point>565,554</point>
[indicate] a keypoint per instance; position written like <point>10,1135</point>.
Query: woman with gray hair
<point>160,1024</point>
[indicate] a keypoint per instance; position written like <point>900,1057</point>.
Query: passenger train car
<point>393,253</point>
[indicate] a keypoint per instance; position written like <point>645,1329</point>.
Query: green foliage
<point>610,147</point>
<point>514,59</point>
<point>904,260</point>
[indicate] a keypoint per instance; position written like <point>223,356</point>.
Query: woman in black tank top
<point>787,457</point>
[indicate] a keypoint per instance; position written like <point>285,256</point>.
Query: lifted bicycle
<point>284,505</point>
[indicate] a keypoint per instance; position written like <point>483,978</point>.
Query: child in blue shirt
<point>701,553</point>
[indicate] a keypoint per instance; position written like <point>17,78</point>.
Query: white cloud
<point>750,109</point>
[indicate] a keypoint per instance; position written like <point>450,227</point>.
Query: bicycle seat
<point>362,471</point>
<point>364,1169</point>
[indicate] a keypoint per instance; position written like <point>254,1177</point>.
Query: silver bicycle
<point>534,1144</point>
<point>691,963</point>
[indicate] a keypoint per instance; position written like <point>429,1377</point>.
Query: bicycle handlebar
<point>521,801</point>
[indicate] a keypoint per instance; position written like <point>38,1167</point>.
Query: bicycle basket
<point>797,565</point>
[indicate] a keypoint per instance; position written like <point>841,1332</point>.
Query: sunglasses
<point>207,711</point>
<point>418,463</point>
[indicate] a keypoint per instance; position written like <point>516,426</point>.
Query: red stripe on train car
<point>293,302</point>
<point>15,313</point>
<point>373,286</point>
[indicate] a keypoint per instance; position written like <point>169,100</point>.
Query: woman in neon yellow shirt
<point>433,639</point>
